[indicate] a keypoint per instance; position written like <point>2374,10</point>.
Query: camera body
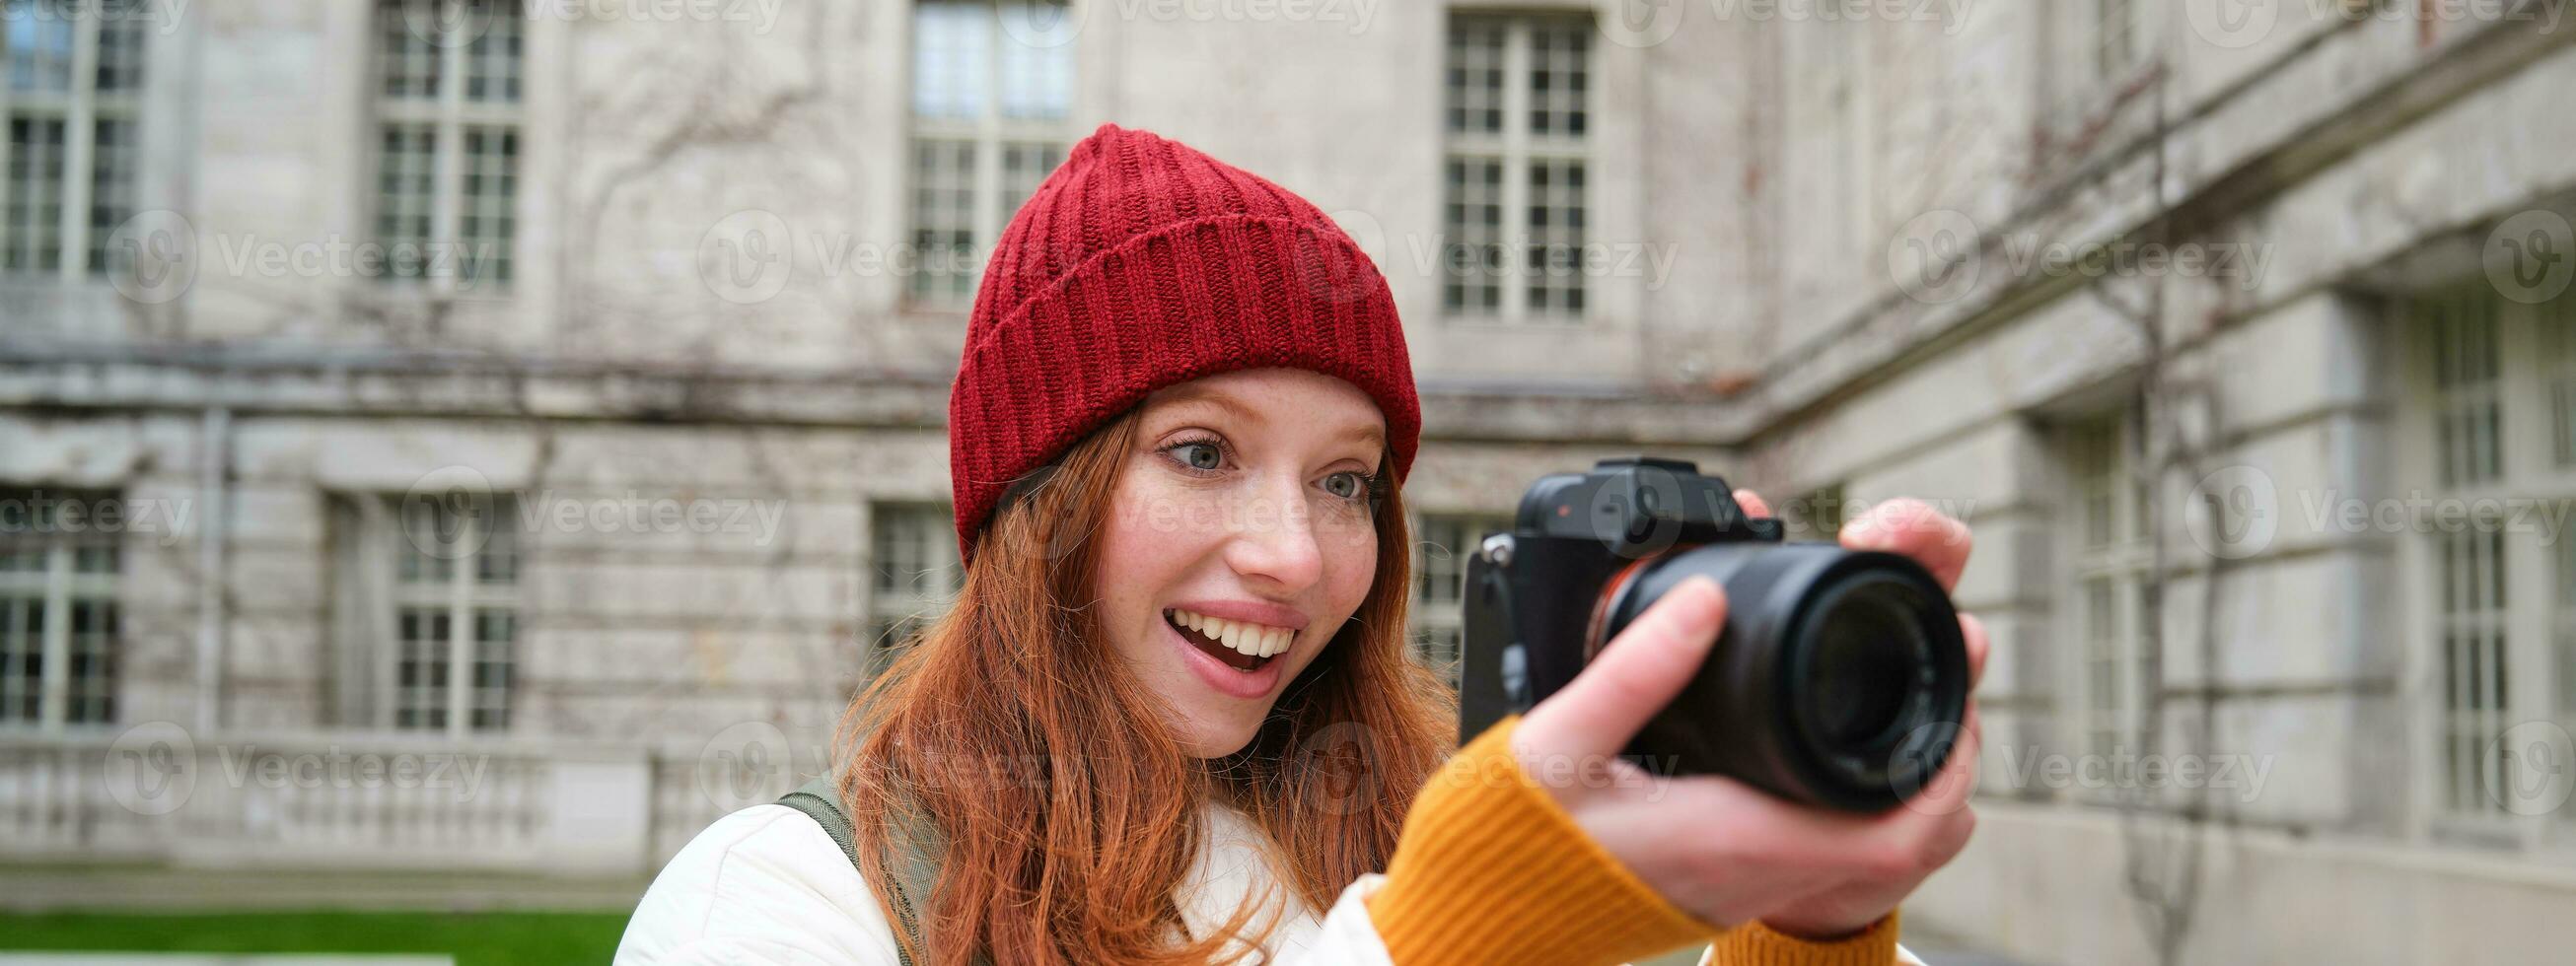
<point>1840,677</point>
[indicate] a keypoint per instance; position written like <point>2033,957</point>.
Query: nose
<point>1274,539</point>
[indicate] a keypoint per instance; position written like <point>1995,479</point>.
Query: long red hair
<point>1067,810</point>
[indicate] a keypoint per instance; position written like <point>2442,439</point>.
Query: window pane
<point>2476,671</point>
<point>22,656</point>
<point>113,157</point>
<point>1025,165</point>
<point>943,220</point>
<point>1554,260</point>
<point>91,689</point>
<point>495,634</point>
<point>35,215</point>
<point>489,220</point>
<point>40,44</point>
<point>407,62</point>
<point>406,191</point>
<point>120,48</point>
<point>952,40</point>
<point>1036,50</point>
<point>1472,268</point>
<point>492,59</point>
<point>1474,74</point>
<point>420,667</point>
<point>1560,76</point>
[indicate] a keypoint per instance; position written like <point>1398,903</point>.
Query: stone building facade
<point>561,386</point>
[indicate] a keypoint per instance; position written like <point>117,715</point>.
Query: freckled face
<point>1240,539</point>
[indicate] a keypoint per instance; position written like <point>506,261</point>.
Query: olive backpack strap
<point>914,874</point>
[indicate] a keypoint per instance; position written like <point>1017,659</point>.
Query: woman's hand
<point>1715,847</point>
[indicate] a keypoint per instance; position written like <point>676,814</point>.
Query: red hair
<point>1068,809</point>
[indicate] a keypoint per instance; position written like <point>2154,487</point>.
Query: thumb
<point>1633,677</point>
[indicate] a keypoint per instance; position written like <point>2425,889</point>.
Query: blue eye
<point>1347,485</point>
<point>1201,456</point>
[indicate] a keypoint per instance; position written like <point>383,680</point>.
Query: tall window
<point>74,72</point>
<point>1443,542</point>
<point>447,101</point>
<point>912,552</point>
<point>992,95</point>
<point>428,591</point>
<point>58,608</point>
<point>1518,117</point>
<point>2118,43</point>
<point>2475,639</point>
<point>2112,559</point>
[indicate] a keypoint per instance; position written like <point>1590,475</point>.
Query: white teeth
<point>1258,640</point>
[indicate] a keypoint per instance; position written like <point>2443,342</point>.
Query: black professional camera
<point>1840,677</point>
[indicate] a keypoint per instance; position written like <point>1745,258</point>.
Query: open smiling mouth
<point>1242,645</point>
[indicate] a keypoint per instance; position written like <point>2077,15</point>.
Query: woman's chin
<point>1217,739</point>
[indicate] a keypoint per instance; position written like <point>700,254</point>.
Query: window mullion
<point>447,186</point>
<point>8,114</point>
<point>1516,159</point>
<point>987,176</point>
<point>460,625</point>
<point>55,685</point>
<point>79,132</point>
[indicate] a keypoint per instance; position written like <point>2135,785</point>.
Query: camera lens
<point>1860,669</point>
<point>1828,683</point>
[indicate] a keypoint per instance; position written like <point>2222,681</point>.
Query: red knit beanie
<point>1141,263</point>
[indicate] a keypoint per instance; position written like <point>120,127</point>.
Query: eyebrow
<point>1193,395</point>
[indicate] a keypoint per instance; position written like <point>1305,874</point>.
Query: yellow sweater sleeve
<point>1491,871</point>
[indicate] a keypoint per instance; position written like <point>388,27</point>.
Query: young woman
<point>1171,718</point>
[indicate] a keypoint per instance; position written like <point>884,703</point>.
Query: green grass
<point>475,939</point>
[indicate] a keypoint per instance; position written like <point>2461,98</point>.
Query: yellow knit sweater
<point>1492,872</point>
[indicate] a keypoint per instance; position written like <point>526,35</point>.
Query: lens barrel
<point>1840,679</point>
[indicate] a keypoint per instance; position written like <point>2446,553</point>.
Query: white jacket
<point>765,885</point>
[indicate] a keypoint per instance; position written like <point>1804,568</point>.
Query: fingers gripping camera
<point>1840,677</point>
